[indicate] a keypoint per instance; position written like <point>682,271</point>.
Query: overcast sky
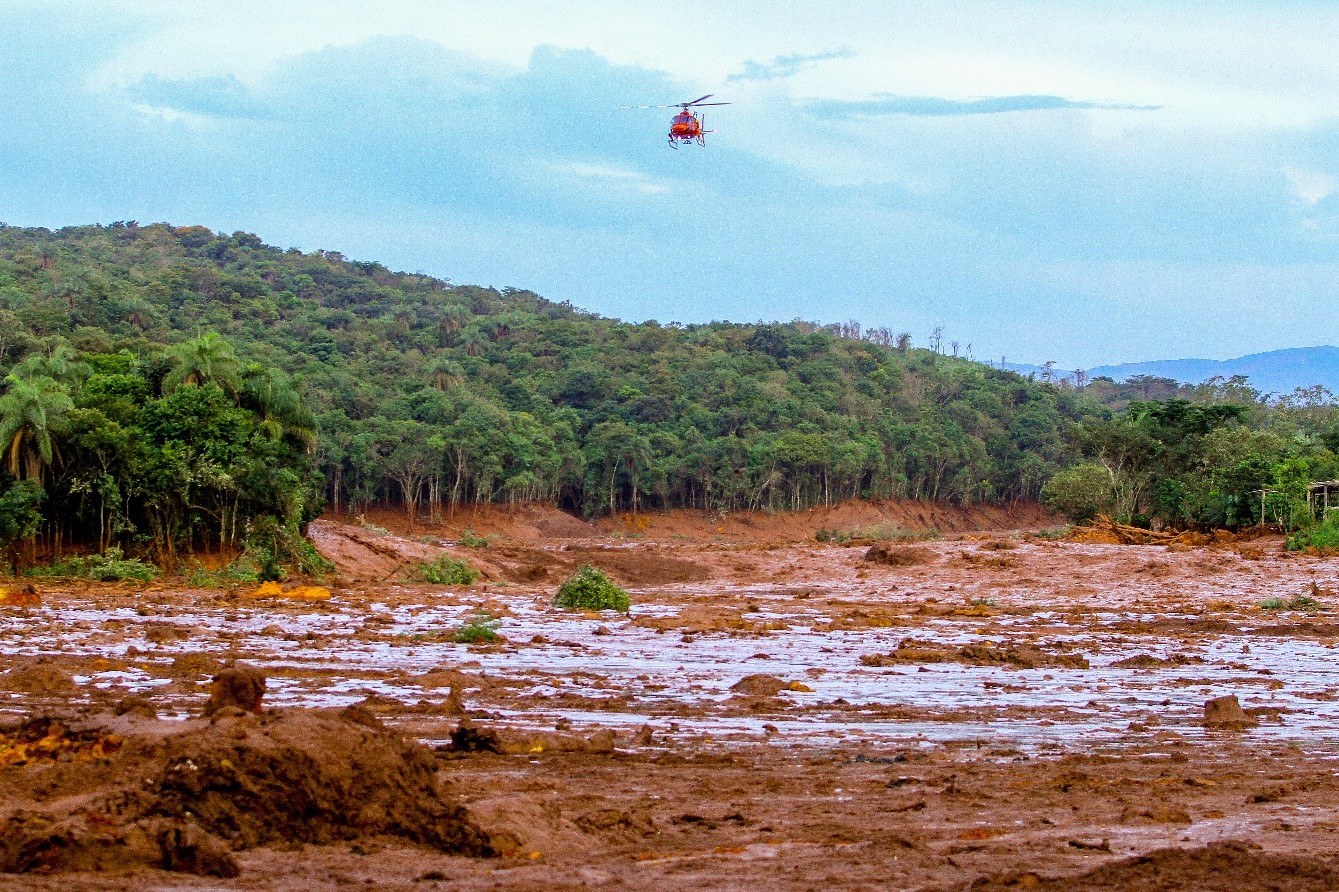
<point>1084,182</point>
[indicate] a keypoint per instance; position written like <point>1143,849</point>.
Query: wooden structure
<point>1319,493</point>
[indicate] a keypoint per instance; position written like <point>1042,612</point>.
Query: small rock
<point>1226,712</point>
<point>645,736</point>
<point>602,630</point>
<point>759,685</point>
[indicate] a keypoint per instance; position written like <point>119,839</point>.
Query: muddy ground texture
<point>992,710</point>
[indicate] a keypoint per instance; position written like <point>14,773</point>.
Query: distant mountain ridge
<point>1275,371</point>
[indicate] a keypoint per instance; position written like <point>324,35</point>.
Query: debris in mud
<point>469,738</point>
<point>1148,661</point>
<point>1021,656</point>
<point>1230,866</point>
<point>1226,712</point>
<point>38,677</point>
<point>987,561</point>
<point>239,687</point>
<point>891,555</point>
<point>1105,531</point>
<point>20,596</point>
<point>48,739</point>
<point>136,704</point>
<point>296,593</point>
<point>41,843</point>
<point>194,665</point>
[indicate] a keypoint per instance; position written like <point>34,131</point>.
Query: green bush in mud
<point>446,570</point>
<point>589,589</point>
<point>478,629</point>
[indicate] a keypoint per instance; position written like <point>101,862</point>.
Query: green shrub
<point>446,570</point>
<point>478,629</point>
<point>1080,492</point>
<point>470,539</point>
<point>1324,536</point>
<point>589,589</point>
<point>113,566</point>
<point>1272,604</point>
<point>275,548</point>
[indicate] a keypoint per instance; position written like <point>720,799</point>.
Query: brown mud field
<point>990,710</point>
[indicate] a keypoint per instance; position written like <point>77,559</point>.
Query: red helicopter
<point>686,127</point>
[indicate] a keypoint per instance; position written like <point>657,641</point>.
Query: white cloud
<point>1310,186</point>
<point>618,176</point>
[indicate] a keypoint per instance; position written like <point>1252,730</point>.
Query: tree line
<point>318,381</point>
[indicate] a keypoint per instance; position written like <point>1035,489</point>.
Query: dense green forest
<point>174,384</point>
<point>170,388</point>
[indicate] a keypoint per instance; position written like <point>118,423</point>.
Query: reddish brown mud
<point>1003,711</point>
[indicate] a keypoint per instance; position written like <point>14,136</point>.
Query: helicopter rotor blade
<point>644,106</point>
<point>705,104</point>
<point>698,99</point>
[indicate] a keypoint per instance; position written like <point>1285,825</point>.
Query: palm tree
<point>61,365</point>
<point>444,373</point>
<point>27,412</point>
<point>273,397</point>
<point>208,359</point>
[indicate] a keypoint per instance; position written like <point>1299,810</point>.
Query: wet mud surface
<point>996,711</point>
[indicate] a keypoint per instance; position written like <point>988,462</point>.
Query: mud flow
<point>985,712</point>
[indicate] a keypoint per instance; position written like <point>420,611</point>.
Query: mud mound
<point>38,677</point>
<point>240,687</point>
<point>1220,867</point>
<point>890,555</point>
<point>1021,656</point>
<point>1226,712</point>
<point>360,553</point>
<point>308,776</point>
<point>641,567</point>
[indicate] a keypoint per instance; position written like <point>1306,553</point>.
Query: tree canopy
<point>174,381</point>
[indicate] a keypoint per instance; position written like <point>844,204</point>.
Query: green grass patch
<point>112,566</point>
<point>478,629</point>
<point>242,571</point>
<point>883,532</point>
<point>1304,603</point>
<point>446,570</point>
<point>589,589</point>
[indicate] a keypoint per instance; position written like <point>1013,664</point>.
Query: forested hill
<point>411,390</point>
